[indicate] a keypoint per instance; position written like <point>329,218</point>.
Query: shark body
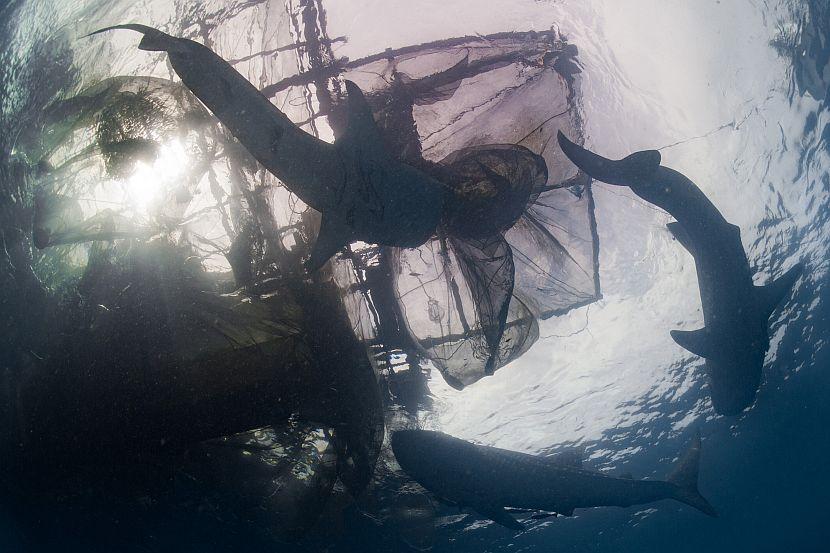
<point>735,337</point>
<point>362,192</point>
<point>489,480</point>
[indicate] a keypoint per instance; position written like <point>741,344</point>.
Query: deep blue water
<point>735,94</point>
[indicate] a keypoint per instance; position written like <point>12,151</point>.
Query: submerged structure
<point>193,340</point>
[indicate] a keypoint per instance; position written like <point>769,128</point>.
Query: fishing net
<point>175,309</point>
<point>171,248</point>
<point>520,243</point>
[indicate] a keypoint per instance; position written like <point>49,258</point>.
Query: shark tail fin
<point>153,41</point>
<point>684,477</point>
<point>624,172</point>
<point>361,128</point>
<point>770,295</point>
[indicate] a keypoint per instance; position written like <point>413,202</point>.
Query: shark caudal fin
<point>153,41</point>
<point>770,295</point>
<point>624,172</point>
<point>684,477</point>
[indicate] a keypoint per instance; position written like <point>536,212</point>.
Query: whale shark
<point>490,480</point>
<point>361,190</point>
<point>735,337</point>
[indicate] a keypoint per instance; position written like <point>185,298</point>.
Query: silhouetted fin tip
<point>334,235</point>
<point>685,477</point>
<point>153,40</point>
<point>624,172</point>
<point>501,516</point>
<point>137,27</point>
<point>771,294</point>
<point>595,166</point>
<point>564,142</point>
<point>361,129</point>
<point>644,161</point>
<point>352,88</point>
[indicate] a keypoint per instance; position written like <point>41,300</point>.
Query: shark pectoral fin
<point>334,235</point>
<point>698,341</point>
<point>770,295</point>
<point>501,516</point>
<point>679,232</point>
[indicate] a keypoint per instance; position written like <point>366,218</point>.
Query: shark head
<point>407,446</point>
<point>423,453</point>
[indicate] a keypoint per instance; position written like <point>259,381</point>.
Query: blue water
<point>735,94</point>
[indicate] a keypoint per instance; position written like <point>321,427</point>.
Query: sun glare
<point>149,181</point>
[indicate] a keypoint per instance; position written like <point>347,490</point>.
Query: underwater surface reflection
<point>142,180</point>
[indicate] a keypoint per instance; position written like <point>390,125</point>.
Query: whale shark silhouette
<point>489,479</point>
<point>362,192</point>
<point>735,337</point>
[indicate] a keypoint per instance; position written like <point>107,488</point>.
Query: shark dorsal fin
<point>771,294</point>
<point>568,458</point>
<point>361,130</point>
<point>698,342</point>
<point>642,164</point>
<point>679,232</point>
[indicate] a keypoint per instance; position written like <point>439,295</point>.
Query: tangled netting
<point>519,245</point>
<point>480,113</point>
<point>165,255</point>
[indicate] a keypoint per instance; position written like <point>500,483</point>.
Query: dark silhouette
<point>488,479</point>
<point>373,185</point>
<point>736,336</point>
<point>362,192</point>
